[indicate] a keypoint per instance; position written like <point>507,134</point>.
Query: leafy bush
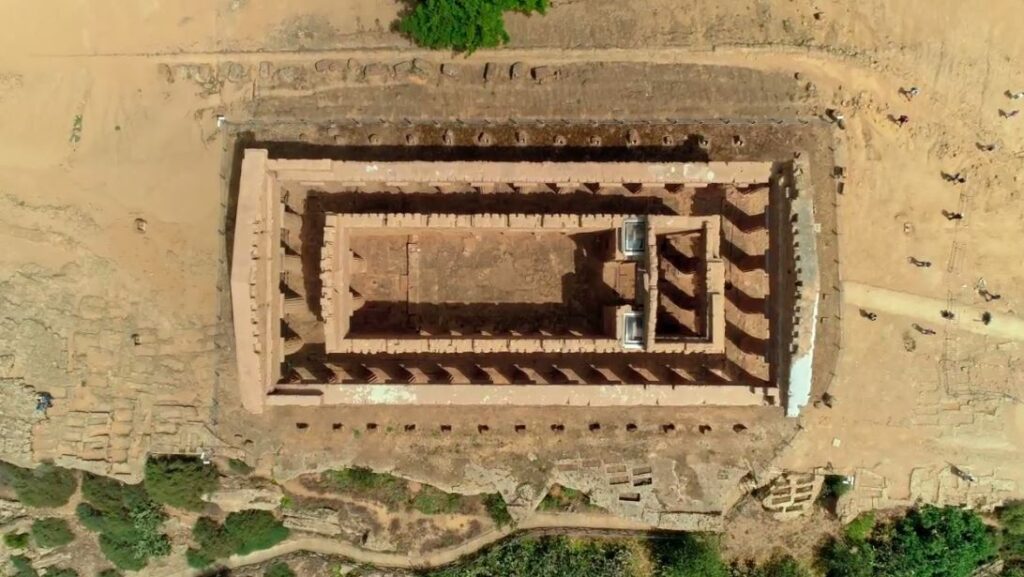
<point>432,501</point>
<point>23,567</point>
<point>364,483</point>
<point>128,520</point>
<point>60,572</point>
<point>16,540</point>
<point>109,573</point>
<point>497,509</point>
<point>860,528</point>
<point>279,569</point>
<point>927,542</point>
<point>567,499</point>
<point>783,566</point>
<point>835,486</point>
<point>1011,517</point>
<point>242,533</point>
<point>122,552</point>
<point>180,481</point>
<point>254,530</point>
<point>44,486</point>
<point>198,559</point>
<point>239,467</point>
<point>688,556</point>
<point>51,532</point>
<point>550,557</point>
<point>464,25</point>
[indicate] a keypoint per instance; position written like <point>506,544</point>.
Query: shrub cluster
<point>550,557</point>
<point>279,569</point>
<point>928,542</point>
<point>128,520</point>
<point>44,486</point>
<point>464,25</point>
<point>16,540</point>
<point>1011,547</point>
<point>497,509</point>
<point>180,481</point>
<point>51,532</point>
<point>242,532</point>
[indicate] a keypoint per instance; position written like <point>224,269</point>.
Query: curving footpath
<point>569,523</point>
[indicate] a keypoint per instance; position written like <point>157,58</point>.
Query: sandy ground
<point>93,137</point>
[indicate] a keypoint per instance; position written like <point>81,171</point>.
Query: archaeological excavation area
<point>416,282</point>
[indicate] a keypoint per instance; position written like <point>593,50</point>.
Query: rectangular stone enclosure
<point>442,283</point>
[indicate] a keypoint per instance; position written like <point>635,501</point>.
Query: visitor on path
<point>953,215</point>
<point>955,178</point>
<point>986,318</point>
<point>868,315</point>
<point>991,147</point>
<point>901,120</point>
<point>1008,113</point>
<point>948,315</point>
<point>988,295</point>
<point>910,93</point>
<point>919,263</point>
<point>923,330</point>
<point>1015,95</point>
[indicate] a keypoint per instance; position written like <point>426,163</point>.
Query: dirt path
<point>927,309</point>
<point>328,546</point>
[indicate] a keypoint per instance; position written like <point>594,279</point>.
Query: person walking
<point>919,263</point>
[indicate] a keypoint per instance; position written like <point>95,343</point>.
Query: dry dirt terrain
<point>121,125</point>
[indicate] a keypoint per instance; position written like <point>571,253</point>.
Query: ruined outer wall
<point>518,395</point>
<point>256,267</point>
<point>559,173</point>
<point>806,288</point>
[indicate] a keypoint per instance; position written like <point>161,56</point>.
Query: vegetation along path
<point>537,523</point>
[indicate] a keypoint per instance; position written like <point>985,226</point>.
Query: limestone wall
<point>806,288</point>
<point>565,174</point>
<point>255,274</point>
<point>518,395</point>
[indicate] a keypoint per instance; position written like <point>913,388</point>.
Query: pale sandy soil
<point>149,149</point>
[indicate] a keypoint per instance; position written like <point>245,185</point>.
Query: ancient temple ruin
<point>478,283</point>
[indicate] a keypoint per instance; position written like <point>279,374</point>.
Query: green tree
<point>688,556</point>
<point>44,486</point>
<point>242,533</point>
<point>128,520</point>
<point>51,532</point>
<point>109,573</point>
<point>60,572</point>
<point>16,540</point>
<point>23,567</point>
<point>464,25</point>
<point>1011,518</point>
<point>198,559</point>
<point>939,542</point>
<point>927,542</point>
<point>180,481</point>
<point>279,569</point>
<point>860,528</point>
<point>497,509</point>
<point>550,557</point>
<point>780,566</point>
<point>254,530</point>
